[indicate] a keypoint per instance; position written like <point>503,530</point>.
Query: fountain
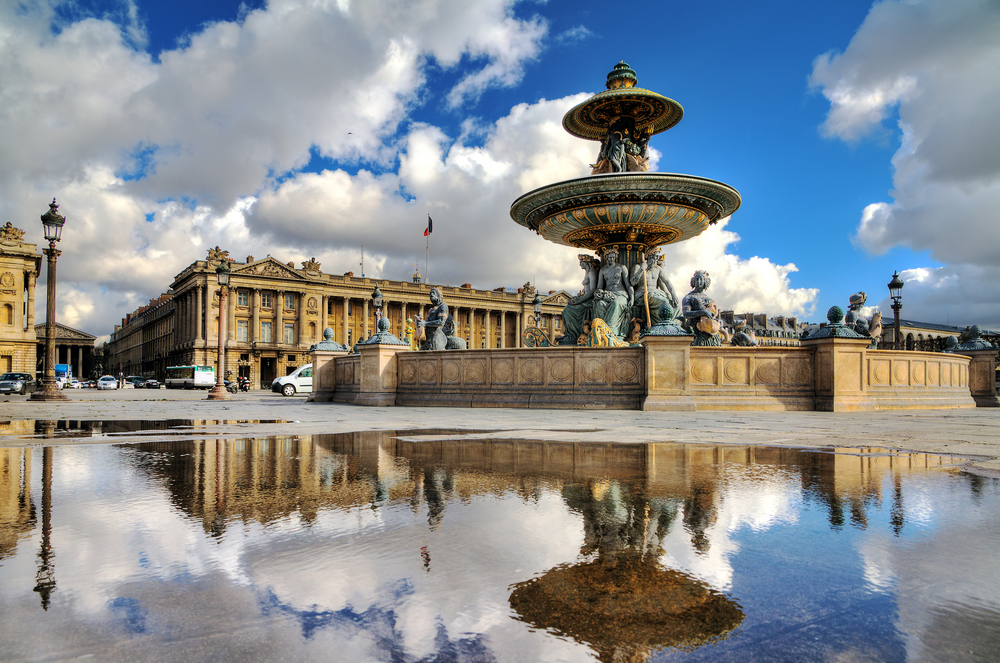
<point>621,207</point>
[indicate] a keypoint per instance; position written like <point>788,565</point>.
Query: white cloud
<point>936,62</point>
<point>155,162</point>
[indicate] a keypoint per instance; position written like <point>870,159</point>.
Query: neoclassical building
<point>276,311</point>
<point>19,266</point>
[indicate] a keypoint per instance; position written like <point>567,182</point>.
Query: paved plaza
<point>971,433</point>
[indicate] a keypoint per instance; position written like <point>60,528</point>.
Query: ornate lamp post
<point>536,304</point>
<point>52,223</point>
<point>896,293</point>
<point>219,392</point>
<point>377,302</point>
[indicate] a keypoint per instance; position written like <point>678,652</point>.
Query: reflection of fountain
<point>623,603</point>
<point>621,208</point>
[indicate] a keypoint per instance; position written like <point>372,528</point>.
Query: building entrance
<point>268,371</point>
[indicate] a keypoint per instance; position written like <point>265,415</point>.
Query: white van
<point>300,380</point>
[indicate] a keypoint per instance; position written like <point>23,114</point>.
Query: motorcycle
<point>230,387</point>
<point>243,383</point>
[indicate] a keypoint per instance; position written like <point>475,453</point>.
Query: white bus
<point>190,377</point>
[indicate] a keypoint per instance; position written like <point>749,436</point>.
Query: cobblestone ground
<point>974,434</point>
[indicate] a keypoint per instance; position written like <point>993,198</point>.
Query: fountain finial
<point>622,76</point>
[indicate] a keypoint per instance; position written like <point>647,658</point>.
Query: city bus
<point>190,377</point>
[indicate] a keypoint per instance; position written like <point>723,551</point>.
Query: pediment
<point>64,332</point>
<point>560,298</point>
<point>271,268</point>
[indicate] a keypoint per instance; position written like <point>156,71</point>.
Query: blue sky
<point>860,136</point>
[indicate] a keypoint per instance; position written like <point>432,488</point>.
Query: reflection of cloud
<point>946,580</point>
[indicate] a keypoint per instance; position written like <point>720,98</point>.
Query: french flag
<point>430,226</point>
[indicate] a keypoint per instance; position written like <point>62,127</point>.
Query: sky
<point>861,137</point>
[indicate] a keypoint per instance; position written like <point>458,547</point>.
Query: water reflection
<point>378,546</point>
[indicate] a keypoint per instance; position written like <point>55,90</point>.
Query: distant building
<point>277,311</point>
<point>73,347</point>
<point>19,265</point>
<point>923,336</point>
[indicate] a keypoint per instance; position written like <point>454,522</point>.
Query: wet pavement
<point>447,544</point>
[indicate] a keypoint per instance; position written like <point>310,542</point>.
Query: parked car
<point>300,380</point>
<point>152,384</point>
<point>72,383</point>
<point>17,383</point>
<point>107,382</point>
<point>90,384</point>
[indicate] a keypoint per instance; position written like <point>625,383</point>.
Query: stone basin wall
<point>833,374</point>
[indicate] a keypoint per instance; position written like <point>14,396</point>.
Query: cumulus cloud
<point>934,63</point>
<point>153,162</point>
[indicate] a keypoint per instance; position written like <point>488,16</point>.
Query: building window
<point>265,332</point>
<point>242,298</point>
<point>289,301</point>
<point>558,321</point>
<point>8,314</point>
<point>289,332</point>
<point>265,300</point>
<point>242,331</point>
<point>291,358</point>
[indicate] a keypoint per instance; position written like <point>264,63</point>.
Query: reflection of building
<point>277,311</point>
<point>73,347</point>
<point>17,510</point>
<point>19,265</point>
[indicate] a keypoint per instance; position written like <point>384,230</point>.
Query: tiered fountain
<point>621,205</point>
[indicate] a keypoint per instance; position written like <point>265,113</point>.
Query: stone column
<point>503,329</point>
<point>322,314</point>
<point>279,315</point>
<point>208,315</point>
<point>230,317</point>
<point>79,361</point>
<point>198,316</point>
<point>31,301</point>
<point>517,334</point>
<point>301,323</point>
<point>347,307</point>
<point>488,319</point>
<point>365,314</point>
<point>255,314</point>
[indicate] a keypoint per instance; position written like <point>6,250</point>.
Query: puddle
<point>64,428</point>
<point>408,547</point>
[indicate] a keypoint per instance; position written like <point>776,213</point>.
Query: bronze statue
<point>701,315</point>
<point>652,274</point>
<point>453,342</point>
<point>614,296</point>
<point>431,328</point>
<point>579,309</point>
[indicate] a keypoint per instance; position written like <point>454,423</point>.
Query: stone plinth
<point>840,384</point>
<point>982,377</point>
<point>324,375</point>
<point>668,381</point>
<point>378,374</point>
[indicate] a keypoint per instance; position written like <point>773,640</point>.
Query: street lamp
<point>536,303</point>
<point>896,293</point>
<point>219,392</point>
<point>377,301</point>
<point>52,223</point>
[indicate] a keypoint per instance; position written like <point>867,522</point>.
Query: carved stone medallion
<point>451,372</point>
<point>593,371</point>
<point>7,280</point>
<point>475,372</point>
<point>531,371</point>
<point>409,372</point>
<point>503,371</point>
<point>626,371</point>
<point>702,371</point>
<point>562,371</point>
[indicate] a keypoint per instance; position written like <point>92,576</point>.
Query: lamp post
<point>219,392</point>
<point>896,293</point>
<point>536,304</point>
<point>377,302</point>
<point>52,223</point>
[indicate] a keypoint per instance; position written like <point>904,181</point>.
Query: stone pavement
<point>973,434</point>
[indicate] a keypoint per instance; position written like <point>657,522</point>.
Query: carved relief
<point>901,373</point>
<point>561,371</point>
<point>797,371</point>
<point>703,371</point>
<point>215,299</point>
<point>9,234</point>
<point>918,372</point>
<point>503,371</point>
<point>7,279</point>
<point>428,371</point>
<point>735,371</point>
<point>593,371</point>
<point>881,373</point>
<point>475,372</point>
<point>767,372</point>
<point>408,372</point>
<point>531,371</point>
<point>451,372</point>
<point>268,268</point>
<point>626,371</point>
<point>312,303</point>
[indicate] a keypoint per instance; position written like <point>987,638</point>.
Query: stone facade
<point>73,347</point>
<point>20,263</point>
<point>277,311</point>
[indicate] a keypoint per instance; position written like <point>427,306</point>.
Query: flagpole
<point>427,251</point>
